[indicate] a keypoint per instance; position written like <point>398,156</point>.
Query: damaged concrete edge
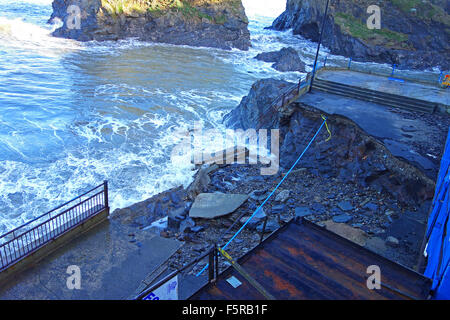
<point>394,164</point>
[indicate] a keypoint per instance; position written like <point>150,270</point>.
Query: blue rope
<point>270,195</point>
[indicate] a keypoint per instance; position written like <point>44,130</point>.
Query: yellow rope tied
<point>328,129</point>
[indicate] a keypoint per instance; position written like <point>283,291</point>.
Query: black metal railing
<point>211,254</point>
<point>33,235</point>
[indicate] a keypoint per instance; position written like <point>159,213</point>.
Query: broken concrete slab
<point>213,205</point>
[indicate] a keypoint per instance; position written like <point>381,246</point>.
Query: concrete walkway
<point>383,84</point>
<point>411,138</point>
<point>112,262</point>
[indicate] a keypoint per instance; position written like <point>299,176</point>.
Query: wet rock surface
<point>287,59</point>
<point>255,110</point>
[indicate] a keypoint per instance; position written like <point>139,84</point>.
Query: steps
<point>387,99</point>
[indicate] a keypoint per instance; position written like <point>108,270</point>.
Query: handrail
<point>29,241</point>
<point>51,211</point>
<point>54,217</point>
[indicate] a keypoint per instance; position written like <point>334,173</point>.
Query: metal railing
<point>213,271</point>
<point>33,235</point>
<point>429,77</point>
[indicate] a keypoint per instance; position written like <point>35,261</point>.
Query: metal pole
<point>105,190</point>
<point>318,46</point>
<point>211,268</point>
<point>216,261</point>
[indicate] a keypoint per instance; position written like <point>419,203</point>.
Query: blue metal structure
<point>438,232</point>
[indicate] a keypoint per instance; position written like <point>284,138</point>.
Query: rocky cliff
<point>414,33</point>
<point>210,23</point>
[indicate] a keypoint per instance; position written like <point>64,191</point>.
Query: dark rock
<point>255,110</point>
<point>256,220</point>
<point>287,59</point>
<point>259,195</point>
<point>277,209</point>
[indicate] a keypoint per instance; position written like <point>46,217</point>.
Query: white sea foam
<point>19,34</point>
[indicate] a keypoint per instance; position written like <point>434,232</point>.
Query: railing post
<point>349,63</point>
<point>325,61</point>
<point>393,69</point>
<point>105,190</point>
<point>211,265</point>
<point>216,262</point>
<point>299,85</point>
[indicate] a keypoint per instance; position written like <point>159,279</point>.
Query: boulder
<point>287,59</point>
<point>255,110</point>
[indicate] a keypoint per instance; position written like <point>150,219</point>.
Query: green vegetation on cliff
<point>357,29</point>
<point>425,10</point>
<point>189,8</point>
